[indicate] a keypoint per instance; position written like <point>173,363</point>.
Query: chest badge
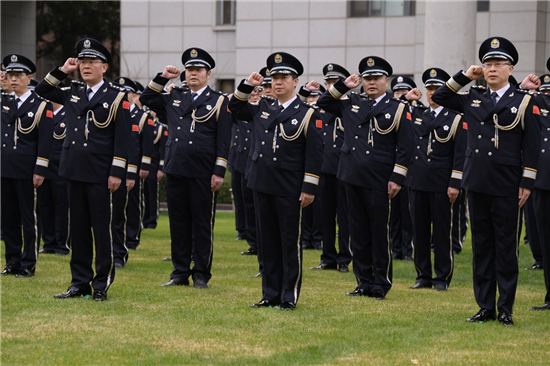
<point>446,113</point>
<point>418,121</point>
<point>294,122</point>
<point>387,115</point>
<point>6,108</point>
<point>209,107</point>
<point>62,125</point>
<point>265,115</point>
<point>355,108</point>
<point>544,112</point>
<point>105,105</point>
<point>30,114</point>
<point>74,99</point>
<point>514,110</point>
<point>176,103</point>
<point>446,128</point>
<point>476,103</point>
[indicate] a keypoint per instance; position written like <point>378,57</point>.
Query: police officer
<point>284,175</point>
<point>236,187</point>
<point>93,160</point>
<point>500,166</point>
<point>435,177</point>
<point>197,151</point>
<point>27,130</point>
<point>373,164</point>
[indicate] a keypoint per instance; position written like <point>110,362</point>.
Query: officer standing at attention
<point>93,160</point>
<point>499,170</point>
<point>284,175</point>
<point>373,164</point>
<point>195,162</point>
<point>435,177</point>
<point>27,134</point>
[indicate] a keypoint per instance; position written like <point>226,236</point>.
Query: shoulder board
<point>421,106</point>
<point>78,82</point>
<point>6,95</point>
<point>117,88</point>
<point>65,88</point>
<point>400,100</point>
<point>525,91</point>
<point>309,105</point>
<point>217,92</point>
<point>41,98</point>
<point>176,87</point>
<point>479,87</point>
<point>463,93</point>
<point>268,98</point>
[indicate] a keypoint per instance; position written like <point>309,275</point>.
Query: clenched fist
<point>70,65</point>
<point>353,81</point>
<point>255,79</point>
<point>171,72</point>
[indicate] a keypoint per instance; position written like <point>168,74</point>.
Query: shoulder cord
<point>207,116</point>
<point>450,135</point>
<point>159,135</point>
<point>394,125</point>
<point>337,125</point>
<point>142,121</point>
<point>90,115</point>
<point>520,117</point>
<point>301,128</point>
<point>35,122</point>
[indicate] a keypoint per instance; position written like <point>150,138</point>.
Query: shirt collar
<point>501,91</point>
<point>96,87</point>
<point>199,92</point>
<point>24,97</point>
<point>437,110</point>
<point>377,100</point>
<point>288,103</point>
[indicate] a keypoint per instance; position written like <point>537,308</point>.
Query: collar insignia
<point>105,105</point>
<point>388,116</point>
<point>446,128</point>
<point>294,122</point>
<point>30,114</point>
<point>514,110</point>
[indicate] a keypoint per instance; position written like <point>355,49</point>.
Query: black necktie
<point>371,104</point>
<point>17,100</point>
<point>494,96</point>
<point>281,109</point>
<point>433,115</point>
<point>193,96</point>
<point>89,93</point>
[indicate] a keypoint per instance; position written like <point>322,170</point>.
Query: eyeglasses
<point>91,62</point>
<point>496,65</point>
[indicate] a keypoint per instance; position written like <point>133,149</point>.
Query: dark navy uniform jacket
<point>27,135</point>
<point>243,145</point>
<point>160,136</point>
<point>333,139</point>
<point>503,141</point>
<point>543,172</point>
<point>375,147</point>
<point>200,131</point>
<point>445,139</point>
<point>141,148</point>
<point>287,152</point>
<point>98,131</point>
<point>59,133</point>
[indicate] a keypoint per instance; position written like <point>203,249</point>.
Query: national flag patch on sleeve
<point>49,114</point>
<point>151,122</point>
<point>165,133</point>
<point>464,125</point>
<point>135,128</point>
<point>536,110</point>
<point>409,117</point>
<point>126,105</point>
<point>228,109</point>
<point>319,123</point>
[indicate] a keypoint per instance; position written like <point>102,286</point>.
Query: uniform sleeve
<point>45,140</point>
<point>460,143</point>
<point>147,141</point>
<point>122,138</point>
<point>239,106</point>
<point>314,154</point>
<point>153,97</point>
<point>133,153</point>
<point>531,145</point>
<point>223,138</point>
<point>303,93</point>
<point>330,100</point>
<point>162,147</point>
<point>447,95</point>
<point>48,89</point>
<point>404,146</point>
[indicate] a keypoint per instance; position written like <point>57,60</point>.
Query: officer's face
<point>430,90</point>
<point>330,82</point>
<point>197,77</point>
<point>92,70</point>
<point>268,90</point>
<point>375,86</point>
<point>496,72</point>
<point>255,95</point>
<point>283,84</point>
<point>313,98</point>
<point>399,92</point>
<point>6,85</point>
<point>19,82</point>
<point>547,91</point>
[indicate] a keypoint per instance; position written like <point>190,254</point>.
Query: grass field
<point>142,323</point>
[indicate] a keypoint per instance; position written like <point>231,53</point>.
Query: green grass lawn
<point>142,323</point>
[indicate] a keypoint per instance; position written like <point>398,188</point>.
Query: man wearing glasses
<point>499,170</point>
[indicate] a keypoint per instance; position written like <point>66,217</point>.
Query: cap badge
<point>13,58</point>
<point>193,53</point>
<point>330,67</point>
<point>87,43</point>
<point>370,62</point>
<point>433,73</point>
<point>121,81</point>
<point>400,79</point>
<point>495,43</point>
<point>546,78</point>
<point>278,59</point>
<point>267,72</point>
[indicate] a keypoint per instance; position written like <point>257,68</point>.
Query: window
<point>225,12</point>
<point>381,8</point>
<point>482,5</point>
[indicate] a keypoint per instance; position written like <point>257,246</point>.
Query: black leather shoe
<point>259,274</point>
<point>177,282</point>
<point>325,266</point>
<point>72,292</point>
<point>408,258</point>
<point>240,237</point>
<point>62,253</point>
<point>287,305</point>
<point>505,319</point>
<point>543,307</point>
<point>483,315</point>
<point>100,295</point>
<point>119,265</point>
<point>46,251</point>
<point>250,251</point>
<point>534,267</point>
<point>264,304</point>
<point>358,292</point>
<point>342,267</point>
<point>199,283</point>
<point>440,287</point>
<point>378,295</point>
<point>10,270</point>
<point>25,272</point>
<point>420,285</point>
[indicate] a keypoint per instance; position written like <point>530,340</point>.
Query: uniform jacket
<point>445,140</point>
<point>287,151</point>
<point>141,148</point>
<point>197,147</point>
<point>27,135</point>
<point>59,133</point>
<point>333,139</point>
<point>243,145</point>
<point>498,160</point>
<point>543,171</point>
<point>98,131</point>
<point>160,136</point>
<point>375,147</point>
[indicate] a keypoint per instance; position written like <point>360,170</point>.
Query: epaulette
<point>217,92</point>
<point>78,82</point>
<point>310,105</point>
<point>176,87</point>
<point>42,98</point>
<point>463,92</point>
<point>421,106</point>
<point>117,88</point>
<point>268,98</point>
<point>525,91</point>
<point>400,100</point>
<point>479,87</point>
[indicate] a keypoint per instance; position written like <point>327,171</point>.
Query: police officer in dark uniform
<point>500,166</point>
<point>236,187</point>
<point>334,207</point>
<point>284,175</point>
<point>27,134</point>
<point>373,164</point>
<point>435,177</point>
<point>195,163</point>
<point>93,160</point>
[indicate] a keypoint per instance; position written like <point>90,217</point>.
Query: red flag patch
<point>228,109</point>
<point>165,133</point>
<point>151,122</point>
<point>464,125</point>
<point>126,105</point>
<point>409,116</point>
<point>319,123</point>
<point>135,128</point>
<point>536,110</point>
<point>49,114</point>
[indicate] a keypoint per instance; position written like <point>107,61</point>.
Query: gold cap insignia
<point>121,81</point>
<point>495,43</point>
<point>278,59</point>
<point>370,62</point>
<point>87,43</point>
<point>13,58</point>
<point>330,67</point>
<point>194,53</point>
<point>433,73</point>
<point>267,72</point>
<point>400,79</point>
<point>546,78</point>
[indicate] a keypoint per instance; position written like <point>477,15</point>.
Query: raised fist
<point>255,79</point>
<point>353,81</point>
<point>313,85</point>
<point>171,72</point>
<point>414,94</point>
<point>70,65</point>
<point>474,72</point>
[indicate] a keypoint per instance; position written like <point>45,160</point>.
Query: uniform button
<point>246,139</point>
<point>547,128</point>
<point>76,129</point>
<point>334,146</point>
<point>492,139</point>
<point>190,142</point>
<point>10,126</point>
<point>15,147</point>
<point>236,136</point>
<point>4,145</point>
<point>85,144</point>
<point>360,126</point>
<point>245,147</point>
<point>418,147</point>
<point>178,140</point>
<point>6,135</point>
<point>274,159</point>
<point>280,135</point>
<point>479,137</point>
<point>266,131</point>
<point>482,123</point>
<point>181,117</point>
<point>277,146</point>
<point>263,142</point>
<point>353,148</point>
<point>543,151</point>
<point>74,142</point>
<point>416,157</point>
<point>78,117</point>
<point>477,151</point>
<point>234,144</point>
<point>368,152</point>
<point>324,133</point>
<point>356,137</point>
<point>179,128</point>
<point>429,160</point>
<point>545,139</point>
<point>490,153</point>
<point>261,156</point>
<point>420,138</point>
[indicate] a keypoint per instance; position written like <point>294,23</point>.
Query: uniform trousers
<point>279,227</point>
<point>428,208</point>
<point>19,208</point>
<point>541,201</point>
<point>532,230</point>
<point>311,225</point>
<point>495,222</point>
<point>334,206</point>
<point>120,224</point>
<point>238,201</point>
<point>249,214</point>
<point>91,208</point>
<point>151,197</point>
<point>191,211</point>
<point>134,214</point>
<point>460,222</point>
<point>54,214</point>
<point>369,219</point>
<point>401,231</point>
